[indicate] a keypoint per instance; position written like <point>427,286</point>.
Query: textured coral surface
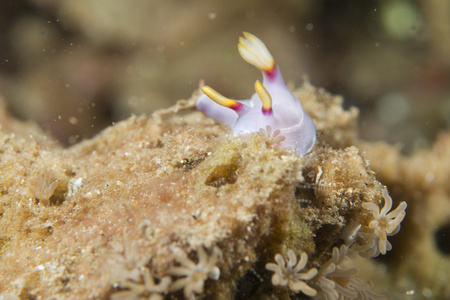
<point>173,204</point>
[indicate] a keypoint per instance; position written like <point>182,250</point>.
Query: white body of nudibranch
<point>272,109</point>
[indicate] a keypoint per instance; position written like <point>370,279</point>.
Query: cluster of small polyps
<point>331,278</point>
<point>43,187</point>
<point>371,239</point>
<point>289,274</point>
<point>192,277</point>
<point>146,289</point>
<point>334,281</point>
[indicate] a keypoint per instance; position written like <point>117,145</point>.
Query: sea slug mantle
<point>273,107</point>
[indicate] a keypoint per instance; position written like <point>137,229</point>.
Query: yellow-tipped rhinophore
<point>255,52</point>
<point>264,95</point>
<point>219,99</point>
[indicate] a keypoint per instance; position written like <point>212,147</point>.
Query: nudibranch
<point>272,109</point>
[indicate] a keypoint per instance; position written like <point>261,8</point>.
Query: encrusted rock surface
<point>151,193</point>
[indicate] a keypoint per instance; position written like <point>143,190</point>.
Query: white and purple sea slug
<point>272,107</point>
